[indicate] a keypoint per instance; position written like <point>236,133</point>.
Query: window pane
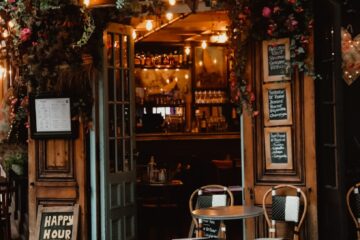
<point>120,154</point>
<point>112,155</point>
<point>117,50</point>
<point>111,84</point>
<point>119,86</point>
<point>110,50</point>
<point>127,120</point>
<point>126,86</point>
<point>111,121</point>
<point>125,51</point>
<point>119,120</point>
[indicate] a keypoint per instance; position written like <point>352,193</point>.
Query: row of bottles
<point>171,59</point>
<point>210,96</point>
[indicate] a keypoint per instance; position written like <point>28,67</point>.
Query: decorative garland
<point>257,20</point>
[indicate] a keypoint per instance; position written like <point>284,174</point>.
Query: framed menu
<point>276,59</point>
<point>278,148</point>
<point>50,117</point>
<point>277,104</point>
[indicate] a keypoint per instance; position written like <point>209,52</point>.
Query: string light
<point>203,44</point>
<point>86,2</point>
<point>187,50</point>
<point>169,16</point>
<point>149,25</point>
<point>172,2</point>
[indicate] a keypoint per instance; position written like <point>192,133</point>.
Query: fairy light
<point>187,50</point>
<point>134,34</point>
<point>172,2</point>
<point>186,76</point>
<point>203,44</point>
<point>169,16</point>
<point>149,25</point>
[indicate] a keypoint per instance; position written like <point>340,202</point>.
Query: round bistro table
<point>228,212</point>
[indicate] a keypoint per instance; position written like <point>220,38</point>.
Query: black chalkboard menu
<point>277,104</point>
<point>57,223</point>
<point>278,147</point>
<point>276,57</point>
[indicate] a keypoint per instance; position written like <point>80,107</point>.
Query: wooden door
<point>299,168</point>
<point>57,177</point>
<point>116,115</point>
<point>330,122</point>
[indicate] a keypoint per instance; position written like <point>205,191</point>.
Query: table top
<point>228,212</point>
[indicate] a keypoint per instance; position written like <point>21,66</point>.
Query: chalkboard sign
<point>57,223</point>
<point>277,104</point>
<point>210,228</point>
<point>278,148</point>
<point>276,58</point>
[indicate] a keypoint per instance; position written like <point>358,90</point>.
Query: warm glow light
<point>201,63</point>
<point>169,16</point>
<point>187,50</point>
<point>149,25</point>
<point>86,3</point>
<point>5,34</point>
<point>215,61</point>
<point>204,44</point>
<point>223,38</point>
<point>134,35</point>
<point>2,71</point>
<point>176,79</point>
<point>11,24</point>
<point>186,76</point>
<point>167,81</point>
<point>172,2</point>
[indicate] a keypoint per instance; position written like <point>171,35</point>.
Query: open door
<point>116,132</point>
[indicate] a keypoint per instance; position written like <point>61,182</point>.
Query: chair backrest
<point>208,196</point>
<point>285,207</point>
<point>353,205</point>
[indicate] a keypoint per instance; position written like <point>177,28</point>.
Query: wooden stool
<point>5,201</point>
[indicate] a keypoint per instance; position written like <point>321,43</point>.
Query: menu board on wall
<point>277,104</point>
<point>57,222</point>
<point>276,58</point>
<point>278,148</point>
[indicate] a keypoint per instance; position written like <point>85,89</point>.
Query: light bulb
<point>187,50</point>
<point>134,35</point>
<point>204,44</point>
<point>86,3</point>
<point>149,25</point>
<point>222,38</point>
<point>172,2</point>
<point>169,16</point>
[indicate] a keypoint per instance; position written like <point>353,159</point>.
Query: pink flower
<point>25,34</point>
<point>266,12</point>
<point>292,1</point>
<point>11,1</point>
<point>276,9</point>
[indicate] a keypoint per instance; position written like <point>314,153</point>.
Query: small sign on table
<point>57,223</point>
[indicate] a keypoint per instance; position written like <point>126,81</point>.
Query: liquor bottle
<point>203,123</point>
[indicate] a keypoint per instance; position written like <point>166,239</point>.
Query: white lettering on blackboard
<point>276,59</point>
<point>278,147</point>
<point>277,104</point>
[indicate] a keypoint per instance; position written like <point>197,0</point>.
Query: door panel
<point>117,167</point>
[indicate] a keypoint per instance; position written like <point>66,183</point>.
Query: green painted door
<point>117,142</point>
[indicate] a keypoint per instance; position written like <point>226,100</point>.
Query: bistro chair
<point>353,205</point>
<point>208,196</point>
<point>5,201</point>
<point>285,207</point>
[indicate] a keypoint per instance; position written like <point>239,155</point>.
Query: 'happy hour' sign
<point>57,223</point>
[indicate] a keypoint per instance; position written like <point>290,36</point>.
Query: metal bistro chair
<point>209,196</point>
<point>353,205</point>
<point>5,201</point>
<point>284,208</point>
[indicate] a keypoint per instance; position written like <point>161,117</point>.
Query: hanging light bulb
<point>169,16</point>
<point>222,38</point>
<point>172,2</point>
<point>187,50</point>
<point>204,44</point>
<point>86,2</point>
<point>149,25</point>
<point>134,35</point>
